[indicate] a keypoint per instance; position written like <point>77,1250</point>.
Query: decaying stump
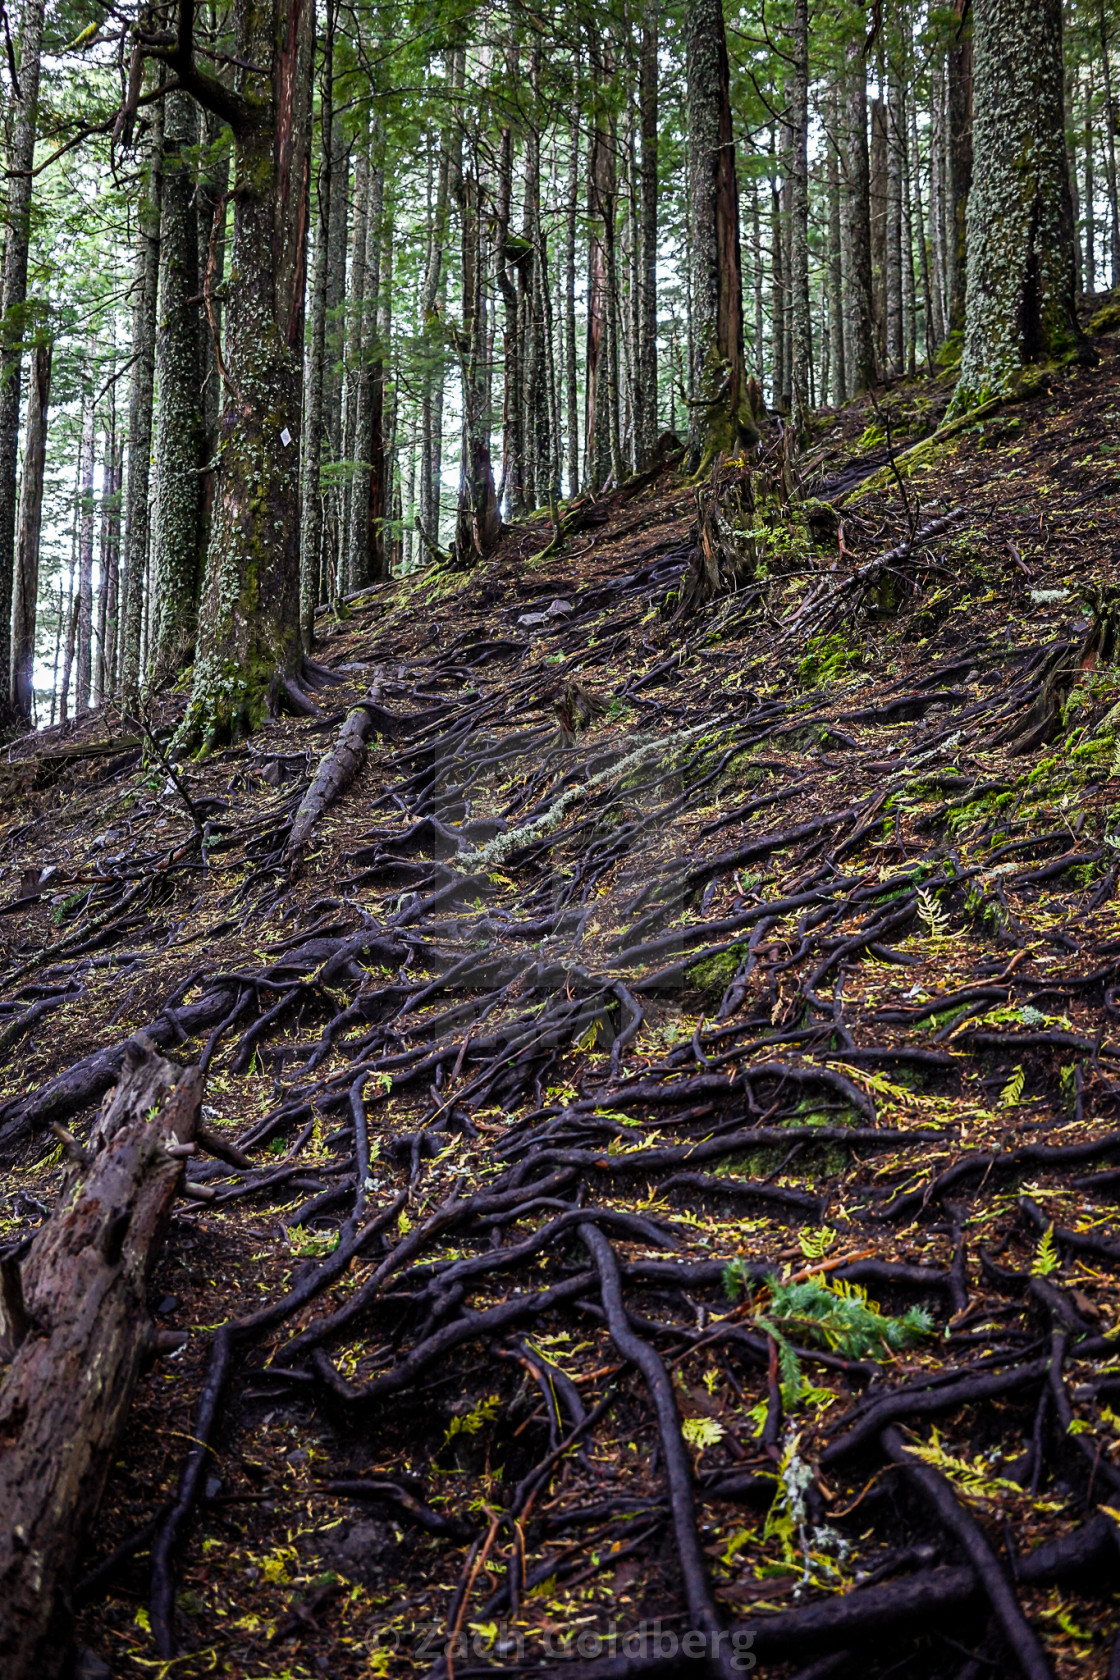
<point>79,1321</point>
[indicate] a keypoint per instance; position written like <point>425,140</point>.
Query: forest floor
<point>781,991</point>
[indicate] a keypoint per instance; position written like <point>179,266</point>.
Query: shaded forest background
<point>500,229</point>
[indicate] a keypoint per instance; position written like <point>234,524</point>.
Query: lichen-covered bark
<point>249,632</point>
<point>859,325</point>
<point>178,455</point>
<point>1020,300</point>
<point>311,538</point>
<point>721,418</point>
<point>799,225</point>
<point>30,523</point>
<point>646,427</point>
<point>478,521</point>
<point>17,221</point>
<point>145,292</point>
<point>84,667</point>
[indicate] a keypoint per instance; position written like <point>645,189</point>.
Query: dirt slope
<point>726,965</point>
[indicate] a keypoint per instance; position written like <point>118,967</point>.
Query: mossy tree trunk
<point>860,351</point>
<point>30,525</point>
<point>1020,297</point>
<point>145,294</point>
<point>176,532</point>
<point>721,419</point>
<point>17,229</point>
<point>249,655</point>
<point>311,538</point>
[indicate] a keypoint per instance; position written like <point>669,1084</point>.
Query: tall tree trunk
<point>85,560</point>
<point>176,534</point>
<point>721,420</point>
<point>145,294</point>
<point>960,120</point>
<point>838,382</point>
<point>758,358</point>
<point>1072,78</point>
<point>909,309</point>
<point>938,285</point>
<point>600,185</point>
<point>431,402</point>
<point>892,269</point>
<point>357,567</point>
<point>311,534</point>
<point>30,525</point>
<point>1090,191</point>
<point>337,244</point>
<point>930,334</point>
<point>21,156</point>
<point>571,388</point>
<point>879,219</point>
<point>380,481</point>
<point>1109,145</point>
<point>112,583</point>
<point>1020,219</point>
<point>352,377</point>
<point>799,222</point>
<point>249,646</point>
<point>646,419</point>
<point>213,190</point>
<point>779,373</point>
<point>860,360</point>
<point>102,676</point>
<point>478,520</point>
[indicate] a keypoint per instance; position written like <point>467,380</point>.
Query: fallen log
<point>83,1335</point>
<point>337,770</point>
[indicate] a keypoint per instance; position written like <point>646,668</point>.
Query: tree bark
<point>838,381</point>
<point>65,1399</point>
<point>30,525</point>
<point>1020,219</point>
<point>102,679</point>
<point>311,534</point>
<point>352,377</point>
<point>930,334</point>
<point>13,321</point>
<point>176,534</point>
<point>799,226</point>
<point>380,483</point>
<point>145,296</point>
<point>646,419</point>
<point>860,360</point>
<point>721,421</point>
<point>892,268</point>
<point>478,521</point>
<point>368,385</point>
<point>1090,191</point>
<point>83,672</point>
<point>249,645</point>
<point>959,84</point>
<point>879,218</point>
<point>779,373</point>
<point>600,187</point>
<point>571,388</point>
<point>1109,146</point>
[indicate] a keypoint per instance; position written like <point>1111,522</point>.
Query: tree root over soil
<point>664,1173</point>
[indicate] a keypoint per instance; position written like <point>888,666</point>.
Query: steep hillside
<point>699,1007</point>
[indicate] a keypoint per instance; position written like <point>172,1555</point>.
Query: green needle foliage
<point>836,1315</point>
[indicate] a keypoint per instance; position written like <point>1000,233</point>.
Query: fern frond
<point>1013,1090</point>
<point>1047,1259</point>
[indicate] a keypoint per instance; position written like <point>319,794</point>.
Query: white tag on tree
<point>285,437</point>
